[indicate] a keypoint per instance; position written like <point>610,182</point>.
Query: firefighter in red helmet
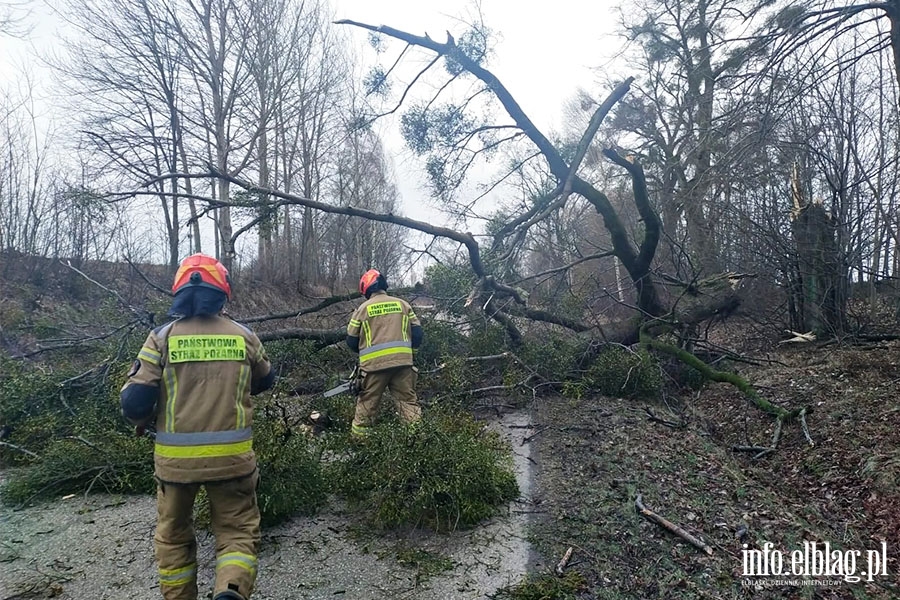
<point>193,380</point>
<point>384,330</point>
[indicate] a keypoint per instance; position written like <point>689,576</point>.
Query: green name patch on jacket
<point>196,348</point>
<point>383,308</point>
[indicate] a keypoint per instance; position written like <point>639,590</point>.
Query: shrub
<point>302,359</point>
<point>553,356</point>
<point>31,407</point>
<point>441,340</point>
<point>445,472</point>
<point>114,463</point>
<point>456,376</point>
<point>618,371</point>
<point>450,283</point>
<point>487,339</point>
<point>291,478</point>
<point>84,445</point>
<point>41,405</point>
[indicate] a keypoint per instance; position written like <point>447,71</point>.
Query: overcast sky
<point>544,52</point>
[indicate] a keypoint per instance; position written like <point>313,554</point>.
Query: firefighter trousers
<point>402,383</point>
<point>235,523</point>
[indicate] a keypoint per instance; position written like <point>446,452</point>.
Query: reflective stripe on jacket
<point>383,325</point>
<point>204,416</point>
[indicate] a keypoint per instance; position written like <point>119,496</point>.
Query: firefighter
<point>384,331</point>
<point>192,380</point>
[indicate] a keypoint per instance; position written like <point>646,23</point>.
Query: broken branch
<point>670,526</point>
<point>325,336</point>
<point>19,448</point>
<point>564,562</point>
<point>528,438</point>
<point>652,417</point>
<point>805,428</point>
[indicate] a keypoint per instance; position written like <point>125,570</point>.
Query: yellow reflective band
<point>412,315</point>
<point>171,394</point>
<point>180,576</point>
<point>359,429</point>
<point>204,451</point>
<point>354,323</point>
<point>385,352</point>
<point>150,355</point>
<point>368,331</point>
<point>177,581</point>
<point>199,348</point>
<point>178,571</point>
<point>243,378</point>
<point>405,327</point>
<point>247,562</point>
<point>383,308</point>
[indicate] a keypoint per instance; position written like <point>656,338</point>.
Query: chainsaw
<point>350,385</point>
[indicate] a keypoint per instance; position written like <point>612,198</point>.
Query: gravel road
<point>101,548</point>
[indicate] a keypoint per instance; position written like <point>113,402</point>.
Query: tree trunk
<point>264,251</point>
<point>821,304</point>
<point>893,13</point>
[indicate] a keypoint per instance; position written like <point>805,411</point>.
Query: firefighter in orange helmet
<point>193,379</point>
<point>384,331</point>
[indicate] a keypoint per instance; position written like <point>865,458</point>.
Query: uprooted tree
<point>453,138</point>
<point>502,301</point>
<point>621,232</point>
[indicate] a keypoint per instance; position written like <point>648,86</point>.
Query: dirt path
<point>102,548</point>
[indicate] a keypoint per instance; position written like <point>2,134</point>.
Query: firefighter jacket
<point>384,326</point>
<point>202,371</point>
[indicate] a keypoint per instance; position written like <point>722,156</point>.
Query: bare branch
<point>325,303</point>
<point>465,239</point>
<point>451,50</point>
<point>146,279</point>
<point>323,336</point>
<point>566,267</point>
<point>142,315</point>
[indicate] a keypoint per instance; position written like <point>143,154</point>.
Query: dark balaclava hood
<point>197,301</point>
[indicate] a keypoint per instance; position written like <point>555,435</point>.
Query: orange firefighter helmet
<point>369,279</point>
<point>203,270</point>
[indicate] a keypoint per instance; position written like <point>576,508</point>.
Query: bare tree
<point>821,22</point>
<point>308,129</point>
<point>14,16</point>
<point>215,36</point>
<point>24,174</point>
<point>125,68</point>
<point>686,114</point>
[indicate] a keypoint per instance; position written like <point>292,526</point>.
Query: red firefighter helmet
<point>370,278</point>
<point>203,270</point>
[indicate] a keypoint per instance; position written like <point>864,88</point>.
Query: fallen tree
<point>502,301</point>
